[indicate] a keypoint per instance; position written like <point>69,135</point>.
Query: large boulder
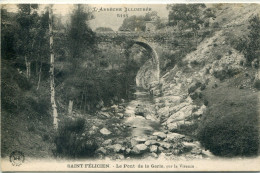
<point>178,107</point>
<point>181,115</point>
<point>176,117</point>
<point>139,111</point>
<point>172,126</point>
<point>163,112</point>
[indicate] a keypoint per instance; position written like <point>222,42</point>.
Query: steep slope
<point>211,96</point>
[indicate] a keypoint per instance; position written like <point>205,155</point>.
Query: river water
<point>141,114</point>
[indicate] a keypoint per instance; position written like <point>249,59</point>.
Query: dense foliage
<point>103,29</point>
<point>92,75</point>
<point>249,45</point>
<point>138,23</point>
<point>72,140</point>
<point>233,130</point>
<point>189,16</point>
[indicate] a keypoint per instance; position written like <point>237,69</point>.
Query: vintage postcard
<point>130,87</point>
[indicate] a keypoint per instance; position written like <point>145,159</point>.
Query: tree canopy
<point>138,23</point>
<point>103,29</point>
<point>186,16</point>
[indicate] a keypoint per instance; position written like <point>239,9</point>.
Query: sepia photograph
<point>130,87</point>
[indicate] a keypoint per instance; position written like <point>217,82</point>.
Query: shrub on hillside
<point>22,82</point>
<point>72,142</point>
<point>225,73</point>
<point>228,136</point>
<point>248,44</point>
<point>215,25</point>
<point>257,84</point>
<point>194,87</point>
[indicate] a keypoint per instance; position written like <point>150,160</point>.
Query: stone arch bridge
<point>155,43</point>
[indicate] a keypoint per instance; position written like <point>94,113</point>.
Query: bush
<point>225,74</point>
<point>215,25</point>
<point>72,142</point>
<point>194,63</point>
<point>229,136</point>
<point>194,87</point>
<point>257,84</point>
<point>23,82</point>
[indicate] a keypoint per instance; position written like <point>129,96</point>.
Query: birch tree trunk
<point>70,107</point>
<point>53,103</point>
<point>28,67</point>
<point>39,79</point>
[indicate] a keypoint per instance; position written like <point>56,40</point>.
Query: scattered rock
<point>138,112</point>
<point>101,150</point>
<point>152,142</point>
<point>137,140</point>
<point>104,114</point>
<point>163,112</point>
<point>104,131</point>
<point>200,111</point>
<point>188,139</point>
<point>171,137</point>
<point>196,151</point>
<point>168,154</point>
<point>165,145</point>
<point>161,149</point>
<point>117,148</point>
<point>118,157</point>
<point>160,135</point>
<point>139,149</point>
<point>172,126</point>
<point>181,115</point>
<point>152,137</point>
<point>178,107</point>
<point>114,108</point>
<point>153,148</point>
<point>128,150</point>
<point>107,142</point>
<point>154,155</point>
<point>120,115</point>
<point>103,109</point>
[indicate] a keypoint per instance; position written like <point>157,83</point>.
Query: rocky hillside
<point>147,75</point>
<point>211,96</point>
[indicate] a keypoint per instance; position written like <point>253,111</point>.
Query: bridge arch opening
<point>155,61</point>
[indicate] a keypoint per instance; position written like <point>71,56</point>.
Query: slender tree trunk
<point>28,67</point>
<point>40,74</point>
<point>85,101</point>
<point>70,107</point>
<point>81,102</point>
<point>36,65</point>
<point>52,85</point>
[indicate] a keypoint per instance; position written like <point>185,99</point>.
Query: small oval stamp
<point>17,158</point>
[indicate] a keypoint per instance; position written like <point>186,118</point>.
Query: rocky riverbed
<point>147,136</point>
